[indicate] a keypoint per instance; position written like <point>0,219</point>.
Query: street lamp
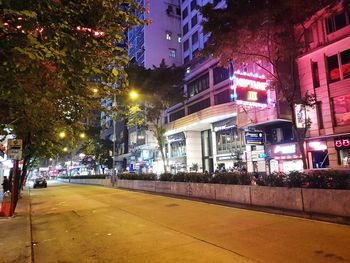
<point>133,94</point>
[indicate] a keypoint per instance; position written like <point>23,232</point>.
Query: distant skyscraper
<point>150,44</point>
<point>193,38</point>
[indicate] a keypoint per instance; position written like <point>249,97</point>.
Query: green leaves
<point>49,50</point>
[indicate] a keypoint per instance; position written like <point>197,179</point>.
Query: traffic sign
<point>14,149</point>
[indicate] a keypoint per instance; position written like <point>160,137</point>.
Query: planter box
<point>233,193</point>
<point>277,197</point>
<point>206,191</point>
<point>145,185</point>
<point>129,184</point>
<point>333,202</point>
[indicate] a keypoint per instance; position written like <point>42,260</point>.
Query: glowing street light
<point>62,134</point>
<point>82,135</point>
<point>133,95</point>
<point>65,149</point>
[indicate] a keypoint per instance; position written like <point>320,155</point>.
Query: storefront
<point>228,144</point>
<point>176,152</point>
<point>317,152</point>
<point>255,151</point>
<point>286,158</point>
<point>342,146</point>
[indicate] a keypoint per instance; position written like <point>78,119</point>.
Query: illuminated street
<point>76,223</point>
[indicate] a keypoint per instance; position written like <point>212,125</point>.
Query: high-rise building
<point>160,39</point>
<point>193,38</point>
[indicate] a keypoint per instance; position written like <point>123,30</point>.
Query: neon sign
<point>250,89</point>
<point>285,151</point>
<point>341,143</point>
<point>317,146</point>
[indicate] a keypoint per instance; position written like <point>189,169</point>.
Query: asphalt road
<point>78,223</point>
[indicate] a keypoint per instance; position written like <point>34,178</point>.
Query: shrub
<point>135,176</point>
<point>166,177</point>
<point>295,179</point>
<point>329,179</point>
<point>226,178</point>
<point>179,177</point>
<point>275,179</point>
<point>96,176</point>
<point>197,177</point>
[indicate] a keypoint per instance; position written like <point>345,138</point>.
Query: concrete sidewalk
<point>15,233</point>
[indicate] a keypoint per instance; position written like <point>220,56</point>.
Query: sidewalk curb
<point>24,203</point>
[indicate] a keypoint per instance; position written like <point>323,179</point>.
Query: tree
<point>160,88</point>
<point>98,148</point>
<point>52,53</point>
<point>266,32</point>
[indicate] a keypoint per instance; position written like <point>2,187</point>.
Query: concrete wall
<point>323,201</point>
<point>104,182</point>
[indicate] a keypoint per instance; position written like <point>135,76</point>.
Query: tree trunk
<point>300,139</point>
<point>163,158</point>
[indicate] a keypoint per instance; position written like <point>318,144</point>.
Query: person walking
<point>6,184</point>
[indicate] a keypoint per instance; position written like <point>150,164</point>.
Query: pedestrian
<point>6,184</point>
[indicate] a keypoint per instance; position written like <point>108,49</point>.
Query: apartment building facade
<point>324,70</point>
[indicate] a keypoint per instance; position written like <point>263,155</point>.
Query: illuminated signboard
<point>250,89</point>
<point>285,151</point>
<point>317,146</point>
<point>254,137</point>
<point>341,143</point>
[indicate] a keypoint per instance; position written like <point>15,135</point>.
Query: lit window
<point>172,53</point>
<point>179,38</point>
<point>168,35</point>
<point>336,22</point>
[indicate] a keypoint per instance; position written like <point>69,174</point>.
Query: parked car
<point>40,182</point>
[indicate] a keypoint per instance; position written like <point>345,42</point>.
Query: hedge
<point>97,176</point>
<point>323,179</point>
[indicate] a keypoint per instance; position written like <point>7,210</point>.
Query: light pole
<point>114,139</point>
<point>133,96</point>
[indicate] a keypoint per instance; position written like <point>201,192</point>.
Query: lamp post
<point>114,139</point>
<point>62,135</point>
<point>133,96</point>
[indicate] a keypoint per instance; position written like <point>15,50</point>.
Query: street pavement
<point>80,223</point>
<point>15,239</point>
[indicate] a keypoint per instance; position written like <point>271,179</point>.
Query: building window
<point>345,63</point>
<point>193,4</point>
<point>220,74</point>
<point>186,45</point>
<point>336,73</point>
<point>199,106</point>
<point>333,68</point>
<point>194,20</point>
<point>178,11</point>
<point>178,148</point>
<point>168,35</point>
<point>309,38</point>
<point>336,22</point>
<point>179,38</point>
<point>169,10</point>
<point>194,38</point>
<point>315,74</point>
<point>319,114</point>
<point>172,53</point>
<point>184,13</point>
<point>341,109</point>
<point>186,59</point>
<point>198,85</point>
<point>228,141</point>
<point>184,29</point>
<point>222,97</point>
<point>177,115</point>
